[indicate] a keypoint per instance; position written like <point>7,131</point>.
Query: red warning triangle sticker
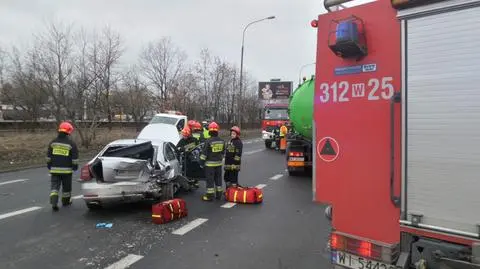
<point>328,149</point>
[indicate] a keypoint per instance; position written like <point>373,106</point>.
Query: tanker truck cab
<point>273,115</point>
<point>396,133</point>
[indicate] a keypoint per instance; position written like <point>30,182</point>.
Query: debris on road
<point>104,225</point>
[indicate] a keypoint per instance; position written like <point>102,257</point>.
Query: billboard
<point>272,90</point>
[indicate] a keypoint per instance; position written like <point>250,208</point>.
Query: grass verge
<point>22,150</point>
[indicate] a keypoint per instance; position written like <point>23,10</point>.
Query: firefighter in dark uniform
<point>276,135</point>
<point>188,142</point>
<point>62,160</point>
<point>197,132</point>
<point>185,145</point>
<point>233,157</point>
<point>212,154</point>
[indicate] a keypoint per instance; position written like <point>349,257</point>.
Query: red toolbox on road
<point>244,195</point>
<point>169,210</point>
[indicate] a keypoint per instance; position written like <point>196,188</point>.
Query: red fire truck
<point>397,132</point>
<point>273,115</point>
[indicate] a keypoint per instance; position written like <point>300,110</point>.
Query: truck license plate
<point>296,159</point>
<point>356,262</point>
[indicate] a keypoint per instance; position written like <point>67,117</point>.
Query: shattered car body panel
<point>133,170</point>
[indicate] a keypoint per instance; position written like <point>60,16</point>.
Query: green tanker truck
<point>299,139</point>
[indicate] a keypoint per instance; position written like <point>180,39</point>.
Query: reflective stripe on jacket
<point>213,151</point>
<point>233,154</point>
<point>62,155</point>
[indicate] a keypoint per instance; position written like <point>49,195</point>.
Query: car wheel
<point>93,206</point>
<point>168,191</point>
<point>294,173</point>
<point>268,144</point>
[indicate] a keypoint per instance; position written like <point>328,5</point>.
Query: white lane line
<point>18,212</point>
<point>253,151</point>
<point>228,205</point>
<point>125,262</point>
<point>261,186</point>
<point>275,177</point>
<point>77,197</point>
<point>12,181</point>
<point>189,226</point>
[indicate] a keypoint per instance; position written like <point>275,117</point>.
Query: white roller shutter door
<point>443,119</point>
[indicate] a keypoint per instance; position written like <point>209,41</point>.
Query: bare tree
<point>111,50</point>
<point>23,91</point>
<point>85,101</point>
<point>135,96</point>
<point>54,49</point>
<point>162,63</point>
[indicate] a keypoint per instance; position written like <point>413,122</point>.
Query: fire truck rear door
<point>442,116</point>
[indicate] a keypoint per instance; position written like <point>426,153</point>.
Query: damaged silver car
<point>132,170</point>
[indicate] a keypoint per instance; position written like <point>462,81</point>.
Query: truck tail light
<point>295,154</point>
<point>365,248</point>
<point>85,174</point>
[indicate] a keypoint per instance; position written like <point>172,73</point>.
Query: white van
<point>180,121</point>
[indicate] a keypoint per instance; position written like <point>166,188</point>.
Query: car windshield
<point>164,119</point>
<point>276,114</point>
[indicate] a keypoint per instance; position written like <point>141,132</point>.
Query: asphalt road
<point>287,230</point>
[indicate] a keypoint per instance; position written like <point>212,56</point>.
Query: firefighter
<point>283,138</point>
<point>276,135</point>
<point>62,160</point>
<point>197,132</point>
<point>186,145</point>
<point>190,124</point>
<point>206,134</point>
<point>233,157</point>
<point>188,142</point>
<point>212,154</point>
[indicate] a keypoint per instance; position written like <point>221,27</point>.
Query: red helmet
<point>235,129</point>
<point>186,131</point>
<point>197,126</point>
<point>65,127</point>
<point>190,123</point>
<point>213,127</point>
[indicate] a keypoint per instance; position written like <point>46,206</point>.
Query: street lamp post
<point>239,108</point>
<point>300,73</point>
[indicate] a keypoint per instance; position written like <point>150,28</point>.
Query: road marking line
<point>77,197</point>
<point>18,212</point>
<point>253,151</point>
<point>228,205</point>
<point>261,186</point>
<point>189,226</point>
<point>275,177</point>
<point>125,262</point>
<point>12,181</point>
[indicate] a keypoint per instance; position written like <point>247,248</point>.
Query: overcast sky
<point>273,48</point>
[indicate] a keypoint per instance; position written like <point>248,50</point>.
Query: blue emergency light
<point>347,31</point>
<point>347,38</point>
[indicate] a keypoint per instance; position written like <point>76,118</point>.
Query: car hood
<point>161,132</point>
